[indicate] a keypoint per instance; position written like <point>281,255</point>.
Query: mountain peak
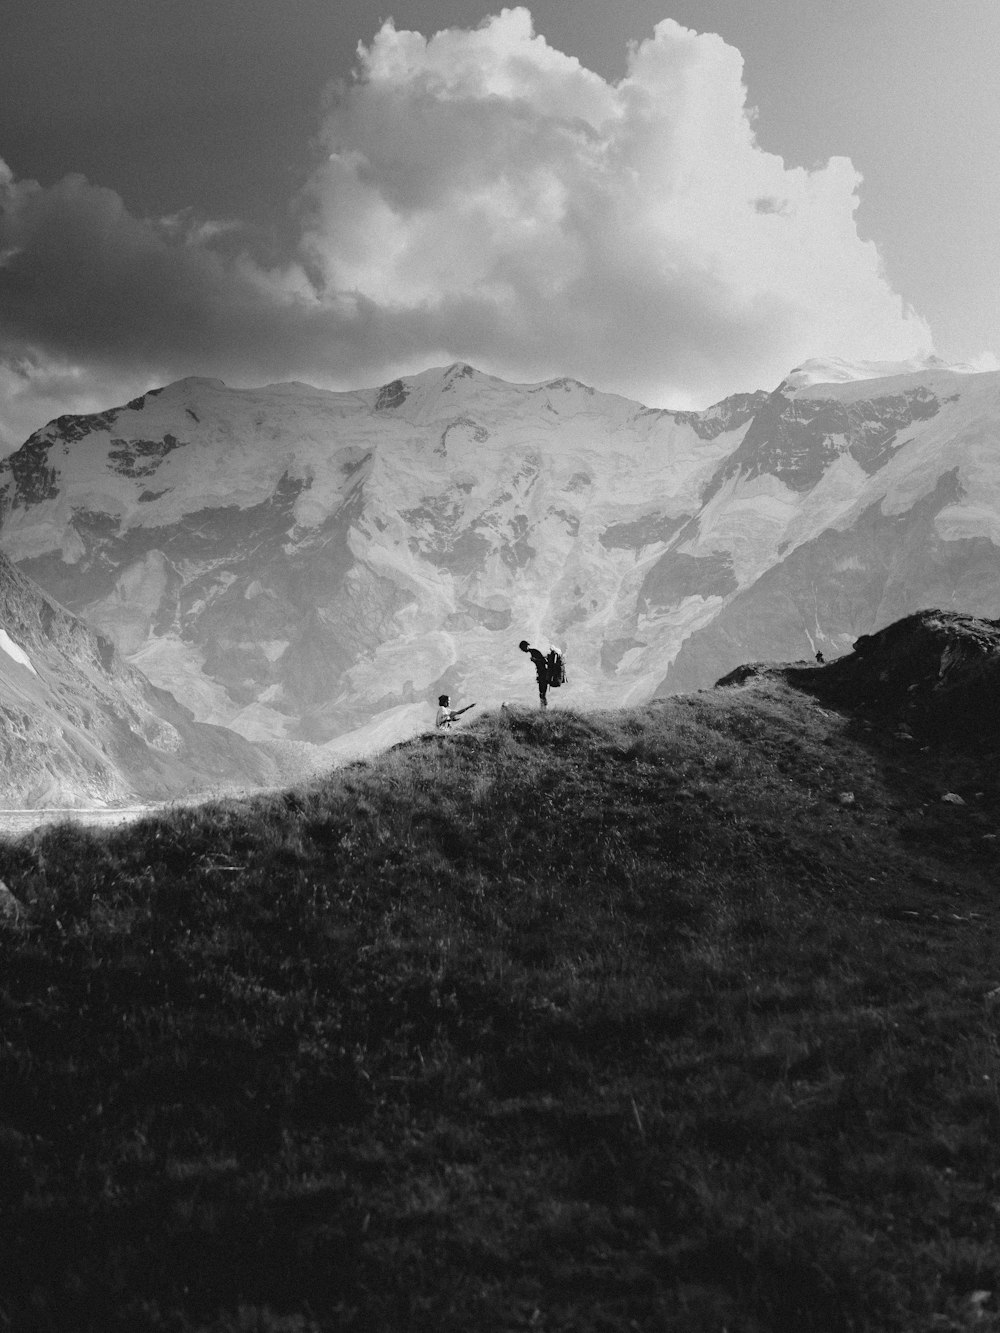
<point>195,382</point>
<point>835,370</point>
<point>461,370</point>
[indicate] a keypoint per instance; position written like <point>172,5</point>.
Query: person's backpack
<point>555,669</point>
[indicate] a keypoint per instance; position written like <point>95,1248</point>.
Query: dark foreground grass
<point>604,1022</point>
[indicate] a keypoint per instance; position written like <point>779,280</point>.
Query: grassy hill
<point>678,1018</point>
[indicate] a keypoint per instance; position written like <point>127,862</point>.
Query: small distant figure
<point>550,669</point>
<point>446,715</point>
<point>819,658</point>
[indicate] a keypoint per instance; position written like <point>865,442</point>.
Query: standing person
<point>541,670</point>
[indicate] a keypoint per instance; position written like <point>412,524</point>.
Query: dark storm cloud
<point>82,278</point>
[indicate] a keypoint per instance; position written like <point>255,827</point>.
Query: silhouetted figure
<point>446,715</point>
<point>541,670</point>
<point>819,658</point>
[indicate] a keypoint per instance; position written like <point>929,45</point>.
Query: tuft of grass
<point>568,1021</point>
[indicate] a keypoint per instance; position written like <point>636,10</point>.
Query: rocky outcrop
<point>934,674</point>
<point>936,671</point>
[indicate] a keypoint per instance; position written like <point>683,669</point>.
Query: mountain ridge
<point>79,726</point>
<point>305,565</point>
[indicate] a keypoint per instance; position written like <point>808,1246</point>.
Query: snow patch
<point>17,653</point>
<point>837,371</point>
<point>962,522</point>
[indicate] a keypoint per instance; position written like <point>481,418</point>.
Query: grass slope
<point>565,1022</point>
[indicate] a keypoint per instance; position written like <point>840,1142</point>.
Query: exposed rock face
<point>934,673</point>
<point>79,726</point>
<point>310,566</point>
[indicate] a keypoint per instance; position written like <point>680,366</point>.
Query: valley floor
<point>674,1018</point>
<point>15,822</point>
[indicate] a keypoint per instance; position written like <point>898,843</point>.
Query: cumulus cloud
<point>94,299</point>
<point>482,196</point>
<point>635,235</point>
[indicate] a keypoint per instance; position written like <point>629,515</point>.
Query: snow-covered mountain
<point>846,507</point>
<point>305,565</point>
<point>79,726</point>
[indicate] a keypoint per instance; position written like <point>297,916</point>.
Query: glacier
<point>312,568</point>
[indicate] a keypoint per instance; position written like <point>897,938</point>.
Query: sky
<point>671,199</point>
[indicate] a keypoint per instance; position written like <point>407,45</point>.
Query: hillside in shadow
<point>681,1017</point>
